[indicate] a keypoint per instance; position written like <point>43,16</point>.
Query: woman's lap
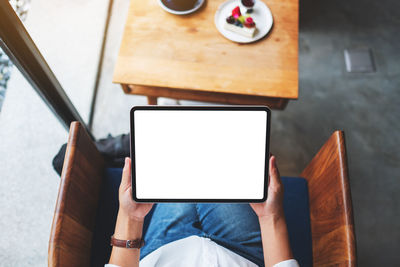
<point>234,226</point>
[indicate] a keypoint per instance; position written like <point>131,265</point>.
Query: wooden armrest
<point>331,211</point>
<point>75,212</point>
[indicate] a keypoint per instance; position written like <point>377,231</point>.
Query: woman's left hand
<point>127,206</point>
<point>129,225</point>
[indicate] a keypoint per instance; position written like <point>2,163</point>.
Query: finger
<point>126,174</point>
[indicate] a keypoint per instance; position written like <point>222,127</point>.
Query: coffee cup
<point>180,5</point>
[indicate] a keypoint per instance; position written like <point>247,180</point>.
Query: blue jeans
<point>233,226</point>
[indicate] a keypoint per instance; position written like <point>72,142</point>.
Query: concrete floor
<point>365,106</point>
<point>30,135</point>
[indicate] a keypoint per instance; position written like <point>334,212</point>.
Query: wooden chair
<point>331,215</point>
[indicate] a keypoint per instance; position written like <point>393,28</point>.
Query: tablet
<point>200,154</point>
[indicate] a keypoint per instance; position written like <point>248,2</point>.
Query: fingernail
<point>126,160</point>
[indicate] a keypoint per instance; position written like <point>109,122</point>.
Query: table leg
<point>152,100</point>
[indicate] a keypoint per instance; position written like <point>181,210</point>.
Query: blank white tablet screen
<point>200,154</point>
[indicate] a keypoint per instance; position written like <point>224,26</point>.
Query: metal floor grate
<point>359,60</point>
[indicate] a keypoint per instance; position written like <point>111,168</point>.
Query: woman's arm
<point>274,234</point>
<point>275,241</point>
<point>126,229</point>
<point>129,223</point>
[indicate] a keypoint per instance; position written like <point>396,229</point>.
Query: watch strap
<point>135,243</point>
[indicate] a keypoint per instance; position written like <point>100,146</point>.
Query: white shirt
<point>198,251</point>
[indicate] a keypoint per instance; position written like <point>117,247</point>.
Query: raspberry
<point>249,23</point>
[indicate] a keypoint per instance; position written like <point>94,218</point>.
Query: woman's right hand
<point>272,208</point>
<point>274,234</point>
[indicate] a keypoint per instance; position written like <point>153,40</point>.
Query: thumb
<point>126,174</point>
<point>274,178</point>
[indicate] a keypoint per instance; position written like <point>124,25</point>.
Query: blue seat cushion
<point>295,205</point>
<point>297,212</point>
<point>106,217</point>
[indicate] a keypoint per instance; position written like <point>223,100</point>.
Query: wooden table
<point>185,57</point>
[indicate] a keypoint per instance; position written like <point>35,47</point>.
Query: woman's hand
<point>129,223</point>
<point>274,234</point>
<point>272,208</point>
<point>128,207</point>
<point>131,214</point>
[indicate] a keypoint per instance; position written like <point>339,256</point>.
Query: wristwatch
<point>135,243</point>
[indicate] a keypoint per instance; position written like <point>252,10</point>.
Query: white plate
<point>196,6</point>
<point>261,14</point>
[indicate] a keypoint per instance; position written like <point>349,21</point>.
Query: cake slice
<point>246,32</point>
<point>243,25</point>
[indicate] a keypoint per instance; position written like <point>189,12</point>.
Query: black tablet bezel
<point>199,108</point>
